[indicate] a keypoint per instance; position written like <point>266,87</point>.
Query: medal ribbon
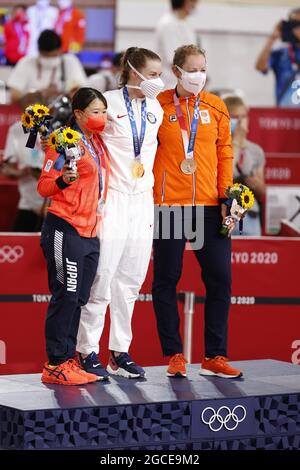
<point>94,153</point>
<point>188,142</point>
<point>137,140</point>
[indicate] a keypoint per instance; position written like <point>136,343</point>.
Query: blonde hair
<point>233,100</point>
<point>183,52</point>
<point>137,56</point>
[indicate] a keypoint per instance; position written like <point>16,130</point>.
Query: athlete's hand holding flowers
<point>69,175</point>
<point>65,142</point>
<point>240,199</point>
<point>35,119</point>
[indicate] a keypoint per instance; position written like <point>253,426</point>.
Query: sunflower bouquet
<point>65,141</point>
<point>36,118</point>
<point>240,199</point>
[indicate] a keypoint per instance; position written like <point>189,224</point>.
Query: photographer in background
<point>48,75</point>
<point>108,76</point>
<point>24,164</point>
<point>249,162</point>
<point>284,61</point>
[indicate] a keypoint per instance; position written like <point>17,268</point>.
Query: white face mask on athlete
<point>43,3</point>
<point>64,4</point>
<point>50,62</point>
<point>150,87</point>
<point>193,82</point>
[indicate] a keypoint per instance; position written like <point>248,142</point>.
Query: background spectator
<point>16,35</point>
<point>48,75</point>
<point>107,78</point>
<point>249,162</point>
<point>41,16</point>
<point>70,25</point>
<point>284,61</point>
<point>24,164</point>
<point>174,30</point>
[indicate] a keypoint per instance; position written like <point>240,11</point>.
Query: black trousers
<point>72,264</point>
<point>215,260</point>
<point>27,221</point>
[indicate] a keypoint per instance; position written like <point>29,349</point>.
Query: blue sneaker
<point>124,366</point>
<point>92,365</point>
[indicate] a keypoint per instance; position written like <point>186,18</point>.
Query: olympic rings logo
<point>10,254</point>
<point>224,417</point>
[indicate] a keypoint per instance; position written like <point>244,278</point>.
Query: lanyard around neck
<point>137,140</point>
<point>188,142</point>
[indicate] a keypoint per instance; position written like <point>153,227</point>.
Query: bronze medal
<point>188,167</point>
<point>138,170</point>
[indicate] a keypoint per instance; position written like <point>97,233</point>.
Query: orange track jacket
<point>213,153</point>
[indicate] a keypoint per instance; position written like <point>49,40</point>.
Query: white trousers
<point>126,235</point>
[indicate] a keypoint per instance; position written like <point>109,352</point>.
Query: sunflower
<point>52,141</point>
<point>247,199</point>
<point>27,120</point>
<point>71,136</point>
<point>236,186</point>
<point>40,110</point>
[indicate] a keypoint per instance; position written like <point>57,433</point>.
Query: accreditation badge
<point>204,116</point>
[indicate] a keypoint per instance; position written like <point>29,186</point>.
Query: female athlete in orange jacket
<point>193,168</point>
<point>69,239</point>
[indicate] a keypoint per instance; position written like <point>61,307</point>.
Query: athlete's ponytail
<point>137,56</point>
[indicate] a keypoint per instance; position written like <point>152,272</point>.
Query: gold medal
<point>188,167</point>
<point>138,170</point>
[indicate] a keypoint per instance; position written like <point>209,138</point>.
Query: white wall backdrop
<point>232,35</point>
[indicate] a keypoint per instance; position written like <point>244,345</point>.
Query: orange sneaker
<point>63,374</point>
<point>177,366</point>
<point>79,370</point>
<point>219,366</point>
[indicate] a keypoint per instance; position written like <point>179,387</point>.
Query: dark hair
<point>82,98</point>
<point>18,6</point>
<point>137,56</point>
<point>117,60</point>
<point>49,41</point>
<point>177,4</point>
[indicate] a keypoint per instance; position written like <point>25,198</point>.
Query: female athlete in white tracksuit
<point>126,231</point>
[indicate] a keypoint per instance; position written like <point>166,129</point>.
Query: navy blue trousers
<point>72,264</point>
<point>215,261</point>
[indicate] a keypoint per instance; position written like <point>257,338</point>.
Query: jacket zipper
<point>193,176</point>
<point>163,188</point>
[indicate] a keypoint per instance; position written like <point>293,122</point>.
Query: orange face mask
<point>96,123</point>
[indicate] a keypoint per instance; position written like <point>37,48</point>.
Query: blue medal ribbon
<point>194,126</point>
<point>137,140</point>
<point>60,161</point>
<point>188,145</point>
<point>96,158</point>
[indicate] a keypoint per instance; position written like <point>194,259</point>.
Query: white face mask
<point>193,82</point>
<point>50,62</point>
<point>64,4</point>
<point>150,87</point>
<point>43,3</point>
